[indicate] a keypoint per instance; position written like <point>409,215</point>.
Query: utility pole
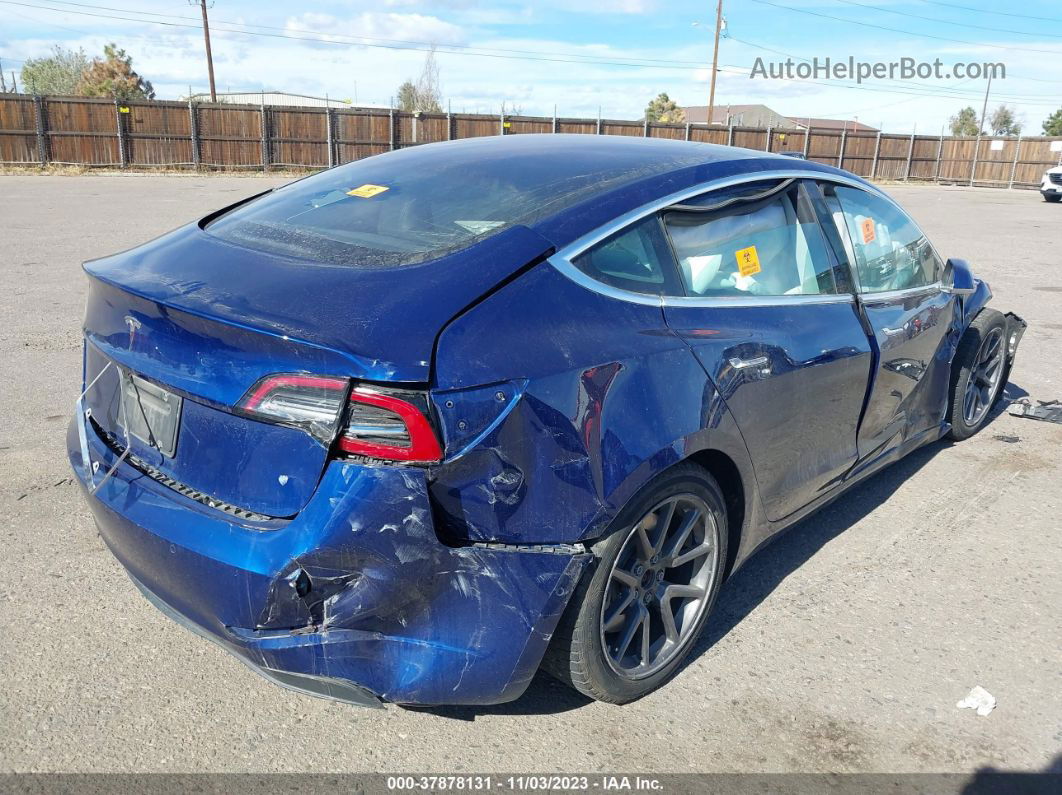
<point>984,108</point>
<point>206,38</point>
<point>715,60</point>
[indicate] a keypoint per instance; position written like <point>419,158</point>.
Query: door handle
<point>742,364</point>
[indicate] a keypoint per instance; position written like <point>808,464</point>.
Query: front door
<point>912,317</point>
<point>771,318</point>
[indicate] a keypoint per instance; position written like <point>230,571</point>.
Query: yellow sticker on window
<point>367,191</point>
<point>748,261</point>
<point>868,230</point>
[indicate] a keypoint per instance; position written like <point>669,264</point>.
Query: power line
<point>987,11</point>
<point>744,70</point>
<point>934,89</point>
<point>465,51</point>
<point>905,32</point>
<point>355,39</point>
<point>949,22</point>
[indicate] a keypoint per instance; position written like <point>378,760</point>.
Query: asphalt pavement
<point>844,646</point>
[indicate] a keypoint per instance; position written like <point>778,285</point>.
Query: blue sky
<point>577,54</point>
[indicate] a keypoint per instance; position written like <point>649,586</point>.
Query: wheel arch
<point>727,474</point>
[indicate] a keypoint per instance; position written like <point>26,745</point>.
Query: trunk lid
<point>205,320</point>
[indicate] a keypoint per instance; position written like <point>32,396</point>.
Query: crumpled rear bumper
<point>355,599</point>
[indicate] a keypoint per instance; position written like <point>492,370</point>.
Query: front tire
<point>634,619</point>
<point>977,373</point>
<point>1052,197</point>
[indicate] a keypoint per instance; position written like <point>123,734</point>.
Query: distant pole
<point>210,58</point>
<point>984,108</point>
<point>715,61</point>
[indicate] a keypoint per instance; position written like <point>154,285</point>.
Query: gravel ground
<point>842,647</point>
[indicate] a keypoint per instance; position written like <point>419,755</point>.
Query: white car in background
<point>1051,187</point>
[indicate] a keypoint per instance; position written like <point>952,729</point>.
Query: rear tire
<point>978,373</point>
<point>664,555</point>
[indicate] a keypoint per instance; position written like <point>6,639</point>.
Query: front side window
<point>888,251</point>
<point>764,245</point>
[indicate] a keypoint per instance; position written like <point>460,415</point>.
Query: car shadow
<point>789,550</point>
<point>747,588</point>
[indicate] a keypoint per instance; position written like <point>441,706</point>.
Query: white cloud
<point>374,25</point>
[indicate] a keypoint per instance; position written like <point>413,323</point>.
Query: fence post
<point>877,152</point>
<point>265,137</point>
<point>807,141</point>
<point>599,120</point>
<point>940,155</point>
<point>910,154</point>
<point>330,129</point>
<point>193,134</point>
<point>770,131</point>
<point>645,126</point>
<point>973,167</point>
<point>42,141</point>
<point>501,121</point>
<point>449,123</point>
<point>729,134</point>
<point>391,128</point>
<point>123,156</point>
<point>687,131</point>
<point>1014,165</point>
<point>840,155</point>
<point>554,118</point>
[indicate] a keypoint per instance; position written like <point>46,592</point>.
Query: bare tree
<point>1003,121</point>
<point>424,95</point>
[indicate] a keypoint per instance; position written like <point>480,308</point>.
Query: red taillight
<point>308,401</point>
<point>389,424</point>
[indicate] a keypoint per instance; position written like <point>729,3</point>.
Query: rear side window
<point>770,246</point>
<point>636,259</point>
<point>888,250</point>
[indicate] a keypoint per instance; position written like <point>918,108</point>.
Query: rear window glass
<point>417,204</point>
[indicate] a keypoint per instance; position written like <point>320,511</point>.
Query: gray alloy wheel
<point>978,373</point>
<point>640,606</point>
<point>658,586</point>
<point>983,383</point>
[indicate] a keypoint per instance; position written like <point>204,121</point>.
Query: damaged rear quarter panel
<point>606,397</point>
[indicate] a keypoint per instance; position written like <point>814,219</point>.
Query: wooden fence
<point>102,132</point>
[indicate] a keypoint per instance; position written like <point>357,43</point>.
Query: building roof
<point>746,115</point>
<point>832,124</point>
<point>282,98</point>
<point>763,116</point>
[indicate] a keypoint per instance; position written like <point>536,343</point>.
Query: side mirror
<point>958,278</point>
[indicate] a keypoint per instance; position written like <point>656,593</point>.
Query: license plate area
<point>150,413</point>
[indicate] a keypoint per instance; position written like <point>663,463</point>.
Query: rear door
<point>898,278</point>
<point>769,313</point>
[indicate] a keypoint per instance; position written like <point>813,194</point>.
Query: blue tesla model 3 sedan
<point>414,427</point>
